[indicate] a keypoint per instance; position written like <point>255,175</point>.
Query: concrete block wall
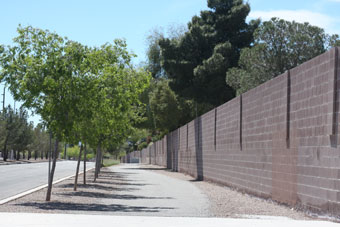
<point>143,158</point>
<point>187,155</point>
<point>279,140</point>
<point>159,152</point>
<point>164,152</point>
<point>175,140</point>
<point>314,131</point>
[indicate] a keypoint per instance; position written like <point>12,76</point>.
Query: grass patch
<point>110,162</point>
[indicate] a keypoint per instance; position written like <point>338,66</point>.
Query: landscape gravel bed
<point>227,202</point>
<point>87,199</point>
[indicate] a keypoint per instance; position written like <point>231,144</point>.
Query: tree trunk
<point>49,189</point>
<point>5,150</point>
<point>98,160</point>
<point>17,155</point>
<point>65,151</point>
<point>84,175</point>
<point>96,165</point>
<point>100,163</point>
<point>35,154</point>
<point>28,155</point>
<point>77,170</point>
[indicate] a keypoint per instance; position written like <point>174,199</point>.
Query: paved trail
<point>158,194</point>
<point>18,178</point>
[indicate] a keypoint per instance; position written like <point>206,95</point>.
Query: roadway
<point>18,178</point>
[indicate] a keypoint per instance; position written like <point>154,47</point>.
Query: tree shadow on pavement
<point>121,183</point>
<point>93,207</point>
<point>115,174</point>
<point>97,186</point>
<point>109,196</point>
<point>149,168</point>
<point>114,178</point>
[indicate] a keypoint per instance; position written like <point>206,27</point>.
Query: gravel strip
<point>88,199</point>
<point>227,202</point>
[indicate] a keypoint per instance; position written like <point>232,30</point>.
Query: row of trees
<point>83,94</point>
<point>20,136</point>
<point>220,55</point>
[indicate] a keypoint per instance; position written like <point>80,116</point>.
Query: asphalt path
<point>18,178</point>
<point>149,193</point>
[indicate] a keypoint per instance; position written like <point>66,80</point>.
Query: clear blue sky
<point>95,22</point>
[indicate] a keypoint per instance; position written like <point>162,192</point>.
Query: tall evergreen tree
<point>197,62</point>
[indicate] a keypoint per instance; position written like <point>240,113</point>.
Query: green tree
<point>279,45</point>
<point>81,93</point>
<point>153,52</point>
<point>137,137</point>
<point>40,143</point>
<point>40,73</point>
<point>10,126</point>
<point>164,110</point>
<point>23,135</point>
<point>116,98</point>
<point>153,65</point>
<point>198,61</point>
<point>15,133</point>
<point>165,107</point>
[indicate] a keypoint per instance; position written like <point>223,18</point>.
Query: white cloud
<point>331,25</point>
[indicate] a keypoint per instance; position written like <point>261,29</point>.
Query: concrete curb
<point>37,189</point>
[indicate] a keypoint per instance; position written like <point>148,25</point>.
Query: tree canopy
<point>165,107</point>
<point>81,93</point>
<point>279,45</point>
<point>197,62</point>
<point>153,51</point>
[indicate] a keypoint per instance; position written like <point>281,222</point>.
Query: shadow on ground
<point>89,197</point>
<point>115,174</point>
<point>149,168</point>
<point>109,196</point>
<point>121,183</point>
<point>94,207</point>
<point>97,186</point>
